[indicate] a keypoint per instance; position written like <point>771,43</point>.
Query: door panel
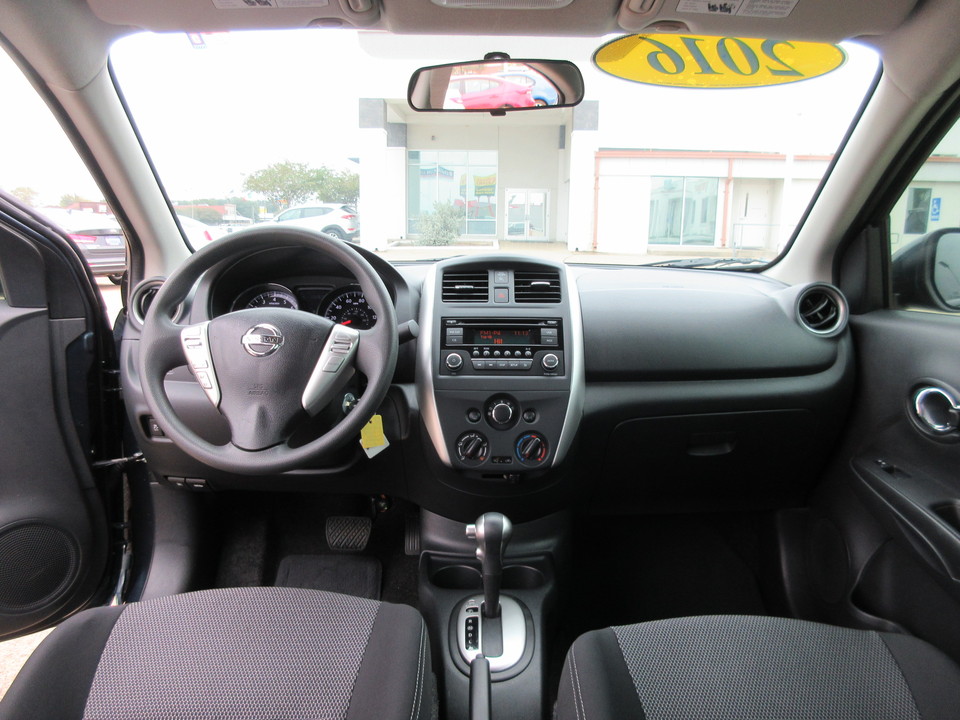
<point>53,530</point>
<point>897,534</point>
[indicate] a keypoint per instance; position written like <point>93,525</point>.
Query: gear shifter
<point>492,532</point>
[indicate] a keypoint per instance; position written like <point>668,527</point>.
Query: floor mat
<point>351,574</point>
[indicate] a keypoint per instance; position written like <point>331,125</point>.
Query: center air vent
<point>466,286</point>
<point>536,286</point>
<point>822,310</point>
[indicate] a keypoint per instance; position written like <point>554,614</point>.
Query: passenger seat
<point>754,668</point>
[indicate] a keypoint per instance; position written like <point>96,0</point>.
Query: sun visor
<point>826,20</point>
<point>215,15</point>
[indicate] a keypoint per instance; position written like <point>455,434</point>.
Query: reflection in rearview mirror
<point>496,85</point>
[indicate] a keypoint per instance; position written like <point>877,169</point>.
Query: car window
<point>43,170</point>
<point>636,173</point>
<point>925,233</point>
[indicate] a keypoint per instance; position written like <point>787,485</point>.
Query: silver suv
<point>340,221</point>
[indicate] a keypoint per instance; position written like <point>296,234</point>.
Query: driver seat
<point>259,653</point>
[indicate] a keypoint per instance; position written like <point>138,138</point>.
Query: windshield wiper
<point>705,262</point>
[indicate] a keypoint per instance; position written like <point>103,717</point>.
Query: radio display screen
<point>502,336</point>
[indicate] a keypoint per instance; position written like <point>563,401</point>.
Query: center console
<point>500,366</point>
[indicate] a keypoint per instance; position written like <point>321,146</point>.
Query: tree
<point>70,198</point>
<point>286,183</point>
<point>442,226</point>
<point>28,196</point>
<point>337,186</point>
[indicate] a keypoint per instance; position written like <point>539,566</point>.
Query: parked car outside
<point>543,92</point>
<point>97,235</point>
<point>199,233</point>
<point>334,219</point>
<point>482,92</point>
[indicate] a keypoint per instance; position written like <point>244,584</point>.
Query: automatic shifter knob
<point>492,532</point>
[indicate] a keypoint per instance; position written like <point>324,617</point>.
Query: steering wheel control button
<point>262,340</point>
<point>333,370</point>
<point>333,364</point>
<point>453,361</point>
<point>531,449</point>
<point>196,349</point>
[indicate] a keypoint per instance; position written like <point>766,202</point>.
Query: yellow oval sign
<point>697,61</point>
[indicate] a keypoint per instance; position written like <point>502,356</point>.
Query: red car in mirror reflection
<point>486,92</point>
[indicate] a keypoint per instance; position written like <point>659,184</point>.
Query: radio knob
<point>550,361</point>
<point>454,361</point>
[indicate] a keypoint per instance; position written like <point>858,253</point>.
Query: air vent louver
<point>822,310</point>
<point>466,286</point>
<point>536,286</point>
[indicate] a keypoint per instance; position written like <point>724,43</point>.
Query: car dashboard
<point>531,385</point>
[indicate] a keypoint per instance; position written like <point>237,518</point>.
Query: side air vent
<point>822,310</point>
<point>536,286</point>
<point>466,286</point>
<point>142,297</point>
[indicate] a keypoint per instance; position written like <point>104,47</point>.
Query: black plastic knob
<point>472,447</point>
<point>531,449</point>
<point>550,361</point>
<point>501,413</point>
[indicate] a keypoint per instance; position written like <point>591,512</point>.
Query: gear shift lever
<point>492,532</point>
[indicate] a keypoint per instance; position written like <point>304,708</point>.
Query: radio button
<point>525,364</point>
<point>550,361</point>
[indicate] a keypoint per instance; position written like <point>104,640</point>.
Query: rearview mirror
<point>495,85</point>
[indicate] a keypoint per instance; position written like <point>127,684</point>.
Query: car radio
<point>503,345</point>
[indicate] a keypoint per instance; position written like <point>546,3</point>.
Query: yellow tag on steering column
<point>372,438</point>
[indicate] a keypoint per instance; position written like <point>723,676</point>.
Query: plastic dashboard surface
<point>706,374</point>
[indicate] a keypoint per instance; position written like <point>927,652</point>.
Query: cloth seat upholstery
<point>754,668</point>
<point>247,653</point>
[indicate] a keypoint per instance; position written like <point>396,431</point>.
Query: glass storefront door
<point>527,214</point>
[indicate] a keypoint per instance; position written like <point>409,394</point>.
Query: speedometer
<point>269,295</point>
<point>348,306</point>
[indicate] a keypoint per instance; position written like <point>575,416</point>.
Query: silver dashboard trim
<point>512,623</point>
<point>428,401</point>
<point>574,360</point>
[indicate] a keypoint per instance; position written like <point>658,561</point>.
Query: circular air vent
<point>143,296</point>
<point>822,310</point>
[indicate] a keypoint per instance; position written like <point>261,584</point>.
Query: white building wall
<point>583,150</point>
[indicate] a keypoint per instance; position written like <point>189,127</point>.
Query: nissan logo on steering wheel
<point>262,340</point>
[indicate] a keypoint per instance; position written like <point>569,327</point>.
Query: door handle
<point>937,410</point>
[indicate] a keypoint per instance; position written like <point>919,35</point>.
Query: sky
<point>212,115</point>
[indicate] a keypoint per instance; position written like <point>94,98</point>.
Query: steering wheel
<point>267,370</point>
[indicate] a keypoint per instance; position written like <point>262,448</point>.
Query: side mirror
<point>927,272</point>
<point>946,269</point>
<point>496,85</point>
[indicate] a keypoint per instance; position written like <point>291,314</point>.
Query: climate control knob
<point>454,361</point>
<point>550,361</point>
<point>531,449</point>
<point>502,412</point>
<point>472,448</point>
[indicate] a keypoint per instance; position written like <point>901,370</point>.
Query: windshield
<point>313,127</point>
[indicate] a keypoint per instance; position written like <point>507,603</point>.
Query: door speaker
<point>38,564</point>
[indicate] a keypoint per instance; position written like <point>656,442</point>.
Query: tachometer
<point>348,306</point>
<point>269,295</point>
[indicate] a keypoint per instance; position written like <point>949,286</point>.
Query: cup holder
<point>460,576</point>
<point>522,577</point>
<point>457,577</point>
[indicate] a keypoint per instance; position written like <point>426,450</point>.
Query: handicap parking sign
<point>935,210</point>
